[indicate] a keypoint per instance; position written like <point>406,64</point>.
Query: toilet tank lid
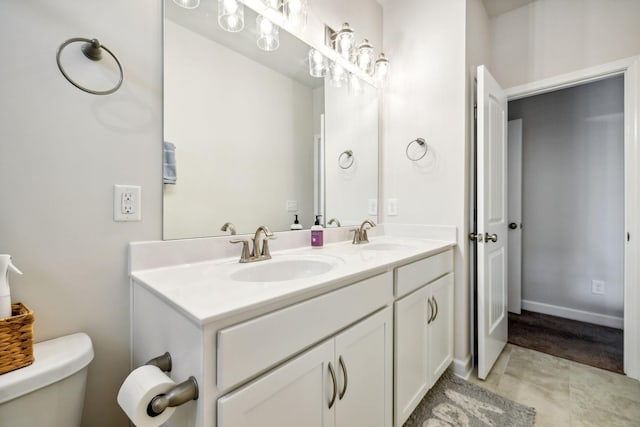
<point>55,360</point>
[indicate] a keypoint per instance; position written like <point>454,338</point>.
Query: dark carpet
<point>593,345</point>
<point>455,402</point>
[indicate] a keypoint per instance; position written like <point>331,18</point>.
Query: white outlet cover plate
<point>292,206</point>
<point>392,207</point>
<point>597,287</point>
<point>372,206</point>
<point>134,209</point>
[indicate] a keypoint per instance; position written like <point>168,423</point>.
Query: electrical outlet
<point>392,207</point>
<point>372,207</point>
<point>127,203</point>
<point>597,287</point>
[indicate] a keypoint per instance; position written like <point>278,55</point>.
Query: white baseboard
<point>462,368</point>
<point>571,313</point>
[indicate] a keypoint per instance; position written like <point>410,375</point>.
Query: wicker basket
<point>16,339</point>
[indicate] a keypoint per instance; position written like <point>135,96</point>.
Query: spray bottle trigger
<point>14,268</point>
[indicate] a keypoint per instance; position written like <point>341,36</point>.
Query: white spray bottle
<point>5,292</point>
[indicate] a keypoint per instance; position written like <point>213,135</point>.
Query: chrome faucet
<point>335,221</point>
<point>360,234</point>
<point>260,251</point>
<point>228,226</point>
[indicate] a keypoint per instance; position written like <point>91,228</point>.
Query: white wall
<point>550,37</point>
<point>478,37</point>
<point>425,97</point>
<point>230,119</point>
<point>347,191</point>
<point>61,151</point>
<point>573,196</point>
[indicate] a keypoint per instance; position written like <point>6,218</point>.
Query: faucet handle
<point>265,245</point>
<point>244,257</point>
<point>363,236</point>
<point>356,235</point>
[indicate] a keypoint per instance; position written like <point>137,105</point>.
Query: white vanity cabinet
<point>343,382</point>
<point>358,346</point>
<point>423,330</point>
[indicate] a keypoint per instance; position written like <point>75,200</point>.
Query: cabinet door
<point>440,330</point>
<point>363,358</point>
<point>411,358</point>
<point>293,395</point>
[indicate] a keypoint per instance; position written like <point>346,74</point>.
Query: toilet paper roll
<point>137,390</point>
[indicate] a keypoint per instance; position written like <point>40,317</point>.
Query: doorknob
<point>492,237</point>
<point>475,237</point>
<point>513,225</point>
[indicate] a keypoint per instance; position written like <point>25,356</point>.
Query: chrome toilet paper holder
<point>178,395</point>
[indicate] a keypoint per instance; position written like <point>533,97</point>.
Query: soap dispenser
<point>296,224</point>
<point>317,238</point>
<point>5,292</point>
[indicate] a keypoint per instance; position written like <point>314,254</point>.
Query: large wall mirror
<point>257,139</point>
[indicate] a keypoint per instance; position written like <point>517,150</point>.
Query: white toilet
<point>50,392</point>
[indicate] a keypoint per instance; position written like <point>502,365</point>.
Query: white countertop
<point>204,292</point>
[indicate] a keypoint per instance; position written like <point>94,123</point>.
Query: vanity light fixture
<point>365,57</point>
<point>337,74</point>
<point>317,63</point>
<point>268,38</point>
<point>187,4</point>
<point>295,12</point>
<point>382,68</point>
<point>344,41</point>
<point>231,15</point>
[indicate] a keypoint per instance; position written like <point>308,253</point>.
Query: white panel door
<point>492,221</point>
<point>298,393</point>
<point>363,359</point>
<point>514,197</point>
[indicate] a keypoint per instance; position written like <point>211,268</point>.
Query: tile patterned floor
<point>564,393</point>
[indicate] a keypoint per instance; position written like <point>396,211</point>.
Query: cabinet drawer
<point>253,346</point>
<point>411,276</point>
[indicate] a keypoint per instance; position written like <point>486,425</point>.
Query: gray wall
<point>573,196</point>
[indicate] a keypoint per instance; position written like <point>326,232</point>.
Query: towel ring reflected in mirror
<point>345,159</point>
<point>417,149</point>
<point>92,49</point>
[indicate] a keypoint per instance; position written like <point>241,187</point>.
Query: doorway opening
<point>566,222</point>
<point>483,179</point>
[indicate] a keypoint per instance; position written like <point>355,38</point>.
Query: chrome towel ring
<point>92,49</point>
<point>345,159</point>
<point>417,149</point>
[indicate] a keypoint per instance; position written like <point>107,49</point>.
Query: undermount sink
<point>285,268</point>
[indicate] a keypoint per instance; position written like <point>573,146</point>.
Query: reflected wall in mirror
<point>247,126</point>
